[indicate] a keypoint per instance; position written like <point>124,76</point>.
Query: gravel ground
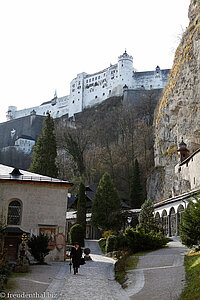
<point>159,275</point>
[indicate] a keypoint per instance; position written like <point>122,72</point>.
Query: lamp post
<point>24,237</point>
<point>22,247</point>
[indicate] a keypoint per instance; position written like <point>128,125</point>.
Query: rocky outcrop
<point>178,112</point>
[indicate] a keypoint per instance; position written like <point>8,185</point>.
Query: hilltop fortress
<point>87,90</point>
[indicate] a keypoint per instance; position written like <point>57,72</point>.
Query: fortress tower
<point>125,70</point>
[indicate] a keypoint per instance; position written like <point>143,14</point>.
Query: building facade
<point>31,204</point>
<point>87,90</point>
<point>23,144</point>
<point>168,212</point>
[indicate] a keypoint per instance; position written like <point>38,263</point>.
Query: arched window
<point>165,222</point>
<point>14,213</point>
<point>172,220</point>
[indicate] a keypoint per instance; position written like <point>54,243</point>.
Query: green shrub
<point>189,227</point>
<point>39,247</point>
<point>102,244</point>
<point>137,241</point>
<point>76,234</point>
<point>121,242</point>
<point>107,233</point>
<point>111,243</point>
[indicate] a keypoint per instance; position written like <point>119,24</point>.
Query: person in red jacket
<point>76,254</point>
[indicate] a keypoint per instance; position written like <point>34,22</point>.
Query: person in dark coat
<point>76,254</point>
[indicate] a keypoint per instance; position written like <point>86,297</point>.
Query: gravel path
<point>159,275</point>
<point>95,280</point>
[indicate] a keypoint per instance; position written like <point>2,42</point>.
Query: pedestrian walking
<point>76,254</point>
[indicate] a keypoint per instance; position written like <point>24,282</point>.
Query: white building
<point>29,207</point>
<point>87,90</point>
<point>168,212</point>
<point>23,143</point>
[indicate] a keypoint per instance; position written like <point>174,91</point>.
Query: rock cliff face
<point>178,112</point>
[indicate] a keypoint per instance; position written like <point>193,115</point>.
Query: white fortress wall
<point>56,109</point>
<point>87,90</point>
<point>151,79</point>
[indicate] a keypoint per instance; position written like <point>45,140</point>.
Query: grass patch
<point>192,268</point>
<point>11,285</point>
<point>18,274</point>
<point>124,264</point>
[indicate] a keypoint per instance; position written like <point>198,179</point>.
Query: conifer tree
<point>147,222</point>
<point>190,225</point>
<point>81,207</point>
<point>45,151</point>
<point>136,193</point>
<point>106,202</point>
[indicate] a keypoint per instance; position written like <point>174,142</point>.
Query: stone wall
<point>11,130</point>
<point>178,112</point>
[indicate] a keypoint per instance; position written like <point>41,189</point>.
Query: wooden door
<point>11,245</point>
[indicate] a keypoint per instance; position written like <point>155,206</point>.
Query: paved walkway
<point>159,275</point>
<point>94,281</point>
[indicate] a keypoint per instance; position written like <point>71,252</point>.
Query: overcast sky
<point>46,43</point>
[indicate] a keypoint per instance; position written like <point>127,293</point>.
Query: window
<point>92,79</point>
<point>87,81</point>
<point>95,78</point>
<point>73,101</point>
<point>14,213</point>
<point>95,97</point>
<point>103,94</point>
<point>98,77</point>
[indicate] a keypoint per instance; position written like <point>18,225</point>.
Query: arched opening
<point>172,222</point>
<point>157,217</point>
<point>179,214</point>
<point>14,213</point>
<point>165,222</point>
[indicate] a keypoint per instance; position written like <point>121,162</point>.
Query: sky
<point>46,43</point>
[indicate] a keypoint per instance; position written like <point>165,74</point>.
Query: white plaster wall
<point>191,171</point>
<point>168,207</point>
